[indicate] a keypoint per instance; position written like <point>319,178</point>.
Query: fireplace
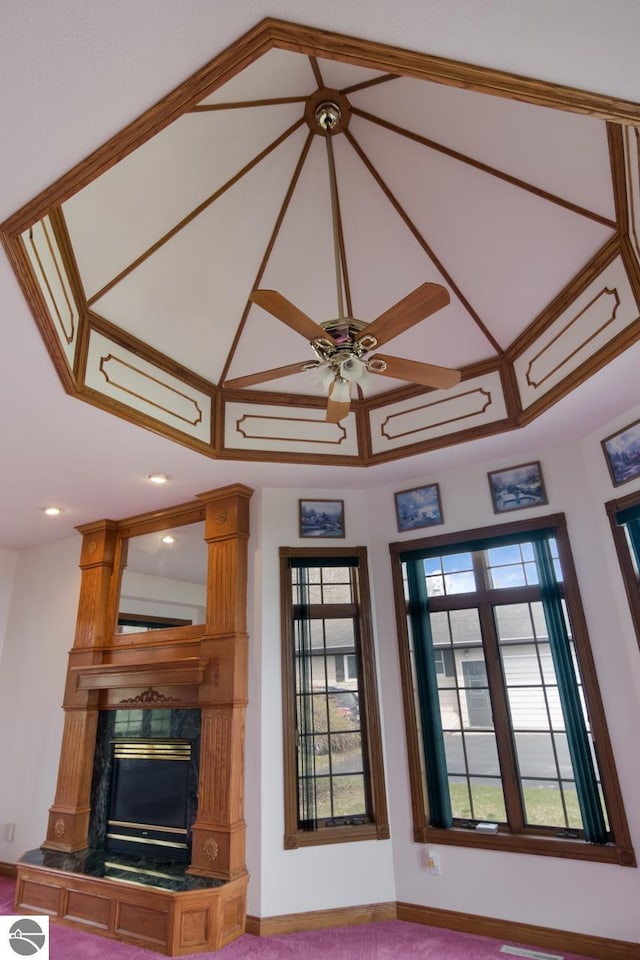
<point>152,754</point>
<point>144,796</point>
<point>148,808</point>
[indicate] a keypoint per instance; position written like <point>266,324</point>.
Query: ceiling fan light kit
<point>341,345</point>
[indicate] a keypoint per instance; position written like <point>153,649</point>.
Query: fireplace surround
<point>178,694</point>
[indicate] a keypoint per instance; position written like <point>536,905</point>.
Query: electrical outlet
<point>432,862</point>
<point>9,832</point>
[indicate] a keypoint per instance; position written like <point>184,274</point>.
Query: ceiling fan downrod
<point>328,115</point>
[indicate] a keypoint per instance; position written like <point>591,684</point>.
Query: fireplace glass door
<point>148,809</point>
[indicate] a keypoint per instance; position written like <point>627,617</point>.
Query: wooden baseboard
<point>320,919</point>
<point>601,948</point>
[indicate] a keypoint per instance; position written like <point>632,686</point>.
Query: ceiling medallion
<point>327,112</point>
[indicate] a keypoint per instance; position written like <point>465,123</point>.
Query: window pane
<point>348,797</point>
<point>544,804</point>
<point>477,799</point>
<point>465,627</point>
<point>482,754</point>
<point>336,593</point>
<point>449,574</point>
<point>460,582</point>
<point>521,667</point>
<point>346,753</point>
<point>562,752</point>
<point>552,805</point>
<point>318,672</point>
<point>536,755</point>
<point>475,700</point>
<point>339,633</point>
<point>487,800</point>
<point>456,562</point>
<point>512,566</point>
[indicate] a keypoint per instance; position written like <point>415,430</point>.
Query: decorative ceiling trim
<point>485,168</point>
<point>53,288</point>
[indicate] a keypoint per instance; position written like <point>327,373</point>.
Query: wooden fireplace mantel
<point>204,667</point>
<point>110,676</point>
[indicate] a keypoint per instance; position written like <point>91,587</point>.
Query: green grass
<point>543,805</point>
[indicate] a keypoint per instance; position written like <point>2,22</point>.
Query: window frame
<point>377,825</point>
<point>620,850</point>
<point>630,579</point>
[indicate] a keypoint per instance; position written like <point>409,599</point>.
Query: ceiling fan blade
<point>426,374</point>
<point>281,308</point>
<point>337,410</point>
<point>425,300</point>
<point>274,374</point>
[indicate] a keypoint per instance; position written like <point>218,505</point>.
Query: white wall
<point>599,899</point>
<point>40,631</point>
<point>312,878</point>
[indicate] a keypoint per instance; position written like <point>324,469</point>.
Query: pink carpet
<point>387,940</point>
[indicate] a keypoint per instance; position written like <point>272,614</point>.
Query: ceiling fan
<point>341,346</point>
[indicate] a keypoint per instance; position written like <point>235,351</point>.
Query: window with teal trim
<point>510,747</point>
<point>624,515</point>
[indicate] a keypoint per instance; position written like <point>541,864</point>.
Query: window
<point>334,783</point>
<point>624,516</point>
<point>513,751</point>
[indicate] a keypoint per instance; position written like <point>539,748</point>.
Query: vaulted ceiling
<point>519,199</point>
<point>517,196</point>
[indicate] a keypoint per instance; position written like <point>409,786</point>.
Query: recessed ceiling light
<point>168,538</point>
<point>52,511</point>
<point>158,478</point>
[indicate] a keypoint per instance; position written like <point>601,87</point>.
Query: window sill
<point>346,834</point>
<point>545,846</point>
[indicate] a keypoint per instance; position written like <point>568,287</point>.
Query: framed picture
<point>321,518</point>
<point>622,453</point>
<point>418,508</point>
<point>517,487</point>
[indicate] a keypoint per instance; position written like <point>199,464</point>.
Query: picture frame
<point>517,488</point>
<point>418,507</point>
<point>321,518</point>
<point>622,453</point>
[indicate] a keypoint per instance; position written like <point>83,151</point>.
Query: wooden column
<point>218,848</point>
<point>68,825</point>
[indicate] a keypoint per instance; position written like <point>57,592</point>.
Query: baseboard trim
<point>601,948</point>
<point>320,919</point>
